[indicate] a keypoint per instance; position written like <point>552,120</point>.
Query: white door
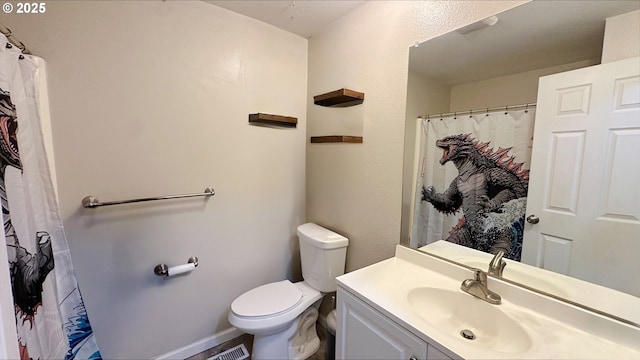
<point>583,206</point>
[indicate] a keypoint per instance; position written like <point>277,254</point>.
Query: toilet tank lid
<point>321,237</point>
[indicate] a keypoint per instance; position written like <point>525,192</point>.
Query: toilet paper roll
<point>180,269</point>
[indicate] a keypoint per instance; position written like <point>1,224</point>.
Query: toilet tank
<point>322,256</point>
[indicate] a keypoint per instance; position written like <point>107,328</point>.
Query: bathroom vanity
<point>411,306</point>
<point>369,334</point>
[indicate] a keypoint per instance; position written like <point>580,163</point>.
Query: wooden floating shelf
<point>339,98</point>
<point>268,119</point>
<point>336,139</point>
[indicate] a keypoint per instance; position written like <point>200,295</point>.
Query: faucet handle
<point>497,264</point>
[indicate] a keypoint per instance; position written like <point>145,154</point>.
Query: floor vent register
<point>235,353</point>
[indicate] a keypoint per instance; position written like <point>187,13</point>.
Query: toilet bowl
<point>272,313</point>
<point>282,315</point>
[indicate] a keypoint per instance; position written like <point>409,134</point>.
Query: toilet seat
<point>267,300</point>
<point>263,323</point>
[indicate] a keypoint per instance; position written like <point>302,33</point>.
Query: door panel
<point>567,150</point>
<point>620,189</point>
<point>585,175</point>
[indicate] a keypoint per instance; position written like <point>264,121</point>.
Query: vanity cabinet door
<point>364,333</point>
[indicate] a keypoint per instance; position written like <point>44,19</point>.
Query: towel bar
<point>91,201</point>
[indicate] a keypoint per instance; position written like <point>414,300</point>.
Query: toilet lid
<point>267,299</point>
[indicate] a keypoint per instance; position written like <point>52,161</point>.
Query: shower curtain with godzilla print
<point>472,181</point>
<point>50,317</point>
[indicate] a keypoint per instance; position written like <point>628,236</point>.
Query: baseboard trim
<point>201,345</point>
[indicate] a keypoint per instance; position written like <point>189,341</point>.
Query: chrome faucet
<point>478,287</point>
<point>496,266</point>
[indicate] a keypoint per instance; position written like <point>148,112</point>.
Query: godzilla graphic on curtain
<point>51,320</point>
<point>473,179</point>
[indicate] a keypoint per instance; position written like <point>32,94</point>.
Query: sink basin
<point>455,311</point>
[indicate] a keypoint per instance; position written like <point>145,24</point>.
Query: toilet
<point>282,315</point>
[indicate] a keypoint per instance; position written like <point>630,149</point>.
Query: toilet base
<point>298,342</point>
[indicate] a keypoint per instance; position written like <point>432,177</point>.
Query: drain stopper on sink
<point>467,334</point>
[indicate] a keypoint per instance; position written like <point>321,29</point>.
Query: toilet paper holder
<point>166,271</point>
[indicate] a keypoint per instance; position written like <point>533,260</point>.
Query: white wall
<point>426,96</point>
<point>514,89</point>
<point>621,37</point>
<point>152,98</point>
<point>356,189</point>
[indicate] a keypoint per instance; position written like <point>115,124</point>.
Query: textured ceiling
<point>535,35</point>
<point>303,17</point>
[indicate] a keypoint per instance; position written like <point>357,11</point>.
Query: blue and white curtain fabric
<point>472,181</point>
<point>50,317</point>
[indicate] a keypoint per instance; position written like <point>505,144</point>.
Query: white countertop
<point>557,330</point>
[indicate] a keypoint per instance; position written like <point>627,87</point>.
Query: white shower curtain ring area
<point>7,33</point>
<point>9,46</point>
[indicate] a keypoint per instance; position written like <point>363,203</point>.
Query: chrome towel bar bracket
<point>91,201</point>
